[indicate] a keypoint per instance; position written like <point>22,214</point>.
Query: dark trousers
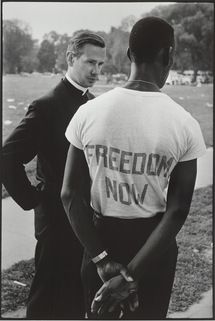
<point>123,238</point>
<point>56,291</point>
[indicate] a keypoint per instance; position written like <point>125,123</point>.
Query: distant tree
<point>198,37</point>
<point>46,56</point>
<point>30,62</point>
<point>109,68</point>
<point>117,45</point>
<point>193,24</point>
<point>182,59</point>
<point>117,49</point>
<point>60,43</point>
<point>81,30</point>
<point>60,50</point>
<point>52,36</point>
<point>127,23</point>
<point>18,46</point>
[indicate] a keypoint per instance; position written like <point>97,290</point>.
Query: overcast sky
<point>67,17</point>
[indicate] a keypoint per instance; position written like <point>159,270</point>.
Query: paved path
<point>18,240</point>
<point>205,169</point>
<point>18,233</point>
<point>200,310</point>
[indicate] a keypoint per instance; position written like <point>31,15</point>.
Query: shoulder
<point>47,101</point>
<point>96,101</point>
<point>177,111</point>
<point>192,125</point>
<point>51,95</point>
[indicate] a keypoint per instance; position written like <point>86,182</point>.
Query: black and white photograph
<point>107,160</point>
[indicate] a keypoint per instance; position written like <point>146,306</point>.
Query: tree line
<point>192,22</point>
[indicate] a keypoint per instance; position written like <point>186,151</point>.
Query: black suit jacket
<point>42,133</point>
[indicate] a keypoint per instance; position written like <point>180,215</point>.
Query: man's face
<point>86,68</point>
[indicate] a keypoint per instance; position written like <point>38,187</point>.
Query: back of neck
<point>141,85</point>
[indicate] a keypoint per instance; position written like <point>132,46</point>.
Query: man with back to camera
<point>56,291</point>
<point>136,142</point>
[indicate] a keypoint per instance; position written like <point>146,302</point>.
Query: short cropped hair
<point>82,38</point>
<point>148,36</point>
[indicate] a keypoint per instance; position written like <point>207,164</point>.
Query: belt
<point>100,216</point>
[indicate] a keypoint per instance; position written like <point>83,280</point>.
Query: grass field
<point>194,267</point>
<point>194,270</point>
<point>19,91</point>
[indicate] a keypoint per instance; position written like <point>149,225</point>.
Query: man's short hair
<point>148,36</point>
<point>82,38</point>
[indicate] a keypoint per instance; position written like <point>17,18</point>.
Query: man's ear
<point>171,55</point>
<point>128,54</point>
<point>69,58</point>
<point>167,56</point>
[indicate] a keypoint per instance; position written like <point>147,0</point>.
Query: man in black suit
<point>56,291</point>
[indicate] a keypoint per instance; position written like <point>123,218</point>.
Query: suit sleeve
<point>19,149</point>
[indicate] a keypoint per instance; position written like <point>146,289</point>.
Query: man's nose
<point>96,69</point>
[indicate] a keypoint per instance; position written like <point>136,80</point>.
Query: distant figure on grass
<point>136,142</point>
<point>56,291</point>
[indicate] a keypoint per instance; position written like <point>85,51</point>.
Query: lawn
<point>199,102</point>
<point>194,268</point>
<point>19,91</point>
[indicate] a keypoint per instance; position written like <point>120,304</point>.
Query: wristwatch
<point>99,257</point>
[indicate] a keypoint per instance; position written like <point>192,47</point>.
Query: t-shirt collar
<point>83,89</point>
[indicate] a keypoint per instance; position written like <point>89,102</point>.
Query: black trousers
<point>56,291</point>
<point>123,238</point>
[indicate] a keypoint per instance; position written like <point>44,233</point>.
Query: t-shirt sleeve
<point>195,141</point>
<point>73,133</point>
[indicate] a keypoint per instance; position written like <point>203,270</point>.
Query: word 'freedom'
<point>127,162</point>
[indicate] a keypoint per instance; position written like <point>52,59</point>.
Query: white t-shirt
<point>132,140</point>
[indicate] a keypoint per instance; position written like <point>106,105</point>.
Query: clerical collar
<point>83,89</point>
